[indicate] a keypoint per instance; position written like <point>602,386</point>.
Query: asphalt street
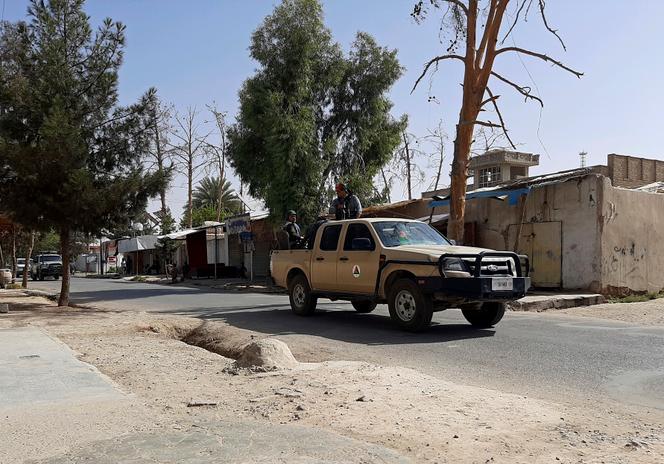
<point>549,356</point>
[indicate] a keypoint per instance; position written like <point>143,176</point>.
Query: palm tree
<point>210,192</point>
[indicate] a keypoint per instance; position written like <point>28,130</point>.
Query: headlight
<point>454,264</point>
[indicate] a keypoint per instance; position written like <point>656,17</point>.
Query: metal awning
<point>512,196</point>
<point>140,243</point>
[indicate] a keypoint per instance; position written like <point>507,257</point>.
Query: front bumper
<point>51,271</point>
<point>472,288</point>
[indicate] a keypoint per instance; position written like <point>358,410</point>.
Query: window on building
<point>489,176</point>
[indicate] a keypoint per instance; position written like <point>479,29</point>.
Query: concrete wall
<point>632,172</point>
<point>632,240</point>
<point>574,203</point>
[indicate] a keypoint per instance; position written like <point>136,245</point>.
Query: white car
<point>5,277</point>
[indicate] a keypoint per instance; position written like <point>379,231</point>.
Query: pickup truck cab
<point>407,264</point>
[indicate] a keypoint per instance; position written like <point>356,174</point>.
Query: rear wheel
<point>409,308</point>
<point>302,302</point>
<point>363,306</point>
<point>483,315</point>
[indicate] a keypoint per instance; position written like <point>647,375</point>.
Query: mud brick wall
<point>632,172</point>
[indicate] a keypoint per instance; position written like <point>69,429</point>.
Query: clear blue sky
<point>195,52</point>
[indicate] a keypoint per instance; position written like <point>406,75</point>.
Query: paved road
<point>544,355</point>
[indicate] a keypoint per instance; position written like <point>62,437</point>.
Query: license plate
<point>502,283</point>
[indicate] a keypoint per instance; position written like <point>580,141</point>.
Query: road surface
<point>549,356</point>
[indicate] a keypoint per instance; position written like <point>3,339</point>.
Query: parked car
<point>45,265</point>
<point>5,277</point>
<point>20,266</point>
<point>407,264</point>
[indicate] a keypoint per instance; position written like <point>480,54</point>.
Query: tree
<point>218,194</point>
<point>478,23</point>
<point>158,155</point>
<point>190,155</point>
<point>310,115</point>
<point>70,157</point>
<point>437,138</point>
<point>200,215</point>
<point>404,162</point>
<point>218,158</point>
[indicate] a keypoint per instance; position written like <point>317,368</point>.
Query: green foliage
<point>166,248</point>
<point>637,297</point>
<point>207,191</point>
<point>70,157</point>
<point>167,222</point>
<point>199,216</point>
<point>311,115</point>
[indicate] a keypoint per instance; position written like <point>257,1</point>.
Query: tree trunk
<point>26,269</point>
<point>13,253</point>
<point>406,148</point>
<point>464,139</point>
<point>190,181</point>
<point>387,186</point>
<point>64,247</point>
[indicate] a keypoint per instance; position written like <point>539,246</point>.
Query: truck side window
<point>330,238</point>
<point>357,230</point>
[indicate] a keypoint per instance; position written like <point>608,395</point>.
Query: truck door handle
<point>343,258</point>
<point>320,259</point>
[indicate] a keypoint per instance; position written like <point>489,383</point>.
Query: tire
<point>363,306</point>
<point>302,302</point>
<point>32,276</point>
<point>56,277</point>
<point>409,308</point>
<point>483,315</point>
<point>41,276</point>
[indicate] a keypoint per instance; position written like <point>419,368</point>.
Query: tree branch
<point>542,5</point>
<point>493,99</point>
<point>516,20</point>
<point>458,3</point>
<point>481,123</point>
<point>525,91</point>
<point>432,62</point>
<point>541,57</point>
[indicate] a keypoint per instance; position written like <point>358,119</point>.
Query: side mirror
<point>362,244</point>
<point>453,242</point>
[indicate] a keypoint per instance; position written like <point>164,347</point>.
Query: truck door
<point>324,259</point>
<point>357,269</point>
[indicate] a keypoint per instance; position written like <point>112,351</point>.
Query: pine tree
<point>70,156</point>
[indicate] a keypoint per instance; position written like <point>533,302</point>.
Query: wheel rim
<point>299,295</point>
<point>405,305</point>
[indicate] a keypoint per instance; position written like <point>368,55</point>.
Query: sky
<point>196,53</point>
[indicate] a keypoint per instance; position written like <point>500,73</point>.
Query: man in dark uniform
<point>293,230</point>
<point>346,205</point>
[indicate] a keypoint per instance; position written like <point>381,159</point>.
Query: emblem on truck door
<point>356,271</point>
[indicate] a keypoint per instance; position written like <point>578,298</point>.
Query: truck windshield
<point>397,233</point>
<point>51,258</point>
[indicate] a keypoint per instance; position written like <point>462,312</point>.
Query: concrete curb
<point>545,303</point>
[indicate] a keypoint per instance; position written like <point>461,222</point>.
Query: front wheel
<point>41,276</point>
<point>410,309</point>
<point>484,315</point>
<point>56,277</point>
<point>302,302</point>
<point>363,306</point>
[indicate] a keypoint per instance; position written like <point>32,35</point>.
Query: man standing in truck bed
<point>346,205</point>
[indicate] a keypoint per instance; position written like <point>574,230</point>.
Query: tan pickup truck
<point>407,264</point>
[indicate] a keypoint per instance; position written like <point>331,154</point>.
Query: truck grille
<point>492,268</point>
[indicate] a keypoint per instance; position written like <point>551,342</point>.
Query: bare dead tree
<point>190,153</point>
<point>478,23</point>
<point>159,156</point>
<point>404,165</point>
<point>437,138</point>
<point>218,153</point>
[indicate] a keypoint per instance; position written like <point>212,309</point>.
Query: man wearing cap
<point>346,205</point>
<point>293,230</point>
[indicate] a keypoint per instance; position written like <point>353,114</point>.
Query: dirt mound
<point>269,352</point>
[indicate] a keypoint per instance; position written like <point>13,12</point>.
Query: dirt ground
<point>423,418</point>
<point>643,313</point>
